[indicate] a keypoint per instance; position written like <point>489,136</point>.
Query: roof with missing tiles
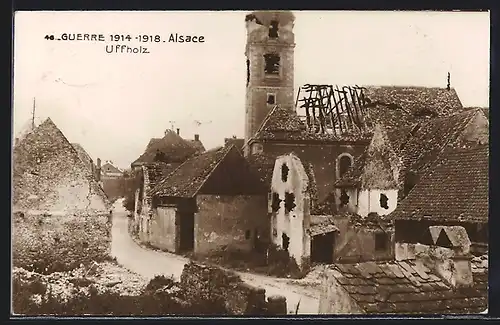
<point>407,287</point>
<point>321,225</point>
<point>456,188</point>
<point>282,124</point>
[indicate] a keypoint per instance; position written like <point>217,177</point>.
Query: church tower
<point>269,54</point>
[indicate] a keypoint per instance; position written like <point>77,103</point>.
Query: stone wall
<point>163,228</point>
<point>215,284</point>
<point>59,242</point>
<point>224,220</point>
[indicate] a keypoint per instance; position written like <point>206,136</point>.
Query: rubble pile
<point>103,277</point>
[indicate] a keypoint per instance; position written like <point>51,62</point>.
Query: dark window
<point>271,99</point>
<point>247,234</point>
<point>248,71</point>
<point>344,165</point>
<point>273,29</point>
<point>381,241</point>
<point>344,198</point>
<point>383,201</point>
<point>285,240</point>
<point>272,64</point>
<point>284,173</point>
<point>275,205</point>
<point>289,202</point>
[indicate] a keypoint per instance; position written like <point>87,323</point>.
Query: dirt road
<point>149,263</point>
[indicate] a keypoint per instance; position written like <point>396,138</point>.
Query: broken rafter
<point>339,109</point>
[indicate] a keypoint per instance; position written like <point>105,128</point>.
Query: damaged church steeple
<point>269,58</point>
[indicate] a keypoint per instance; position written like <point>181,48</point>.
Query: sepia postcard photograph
<point>258,163</point>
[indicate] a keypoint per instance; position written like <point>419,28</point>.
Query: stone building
<point>210,202</point>
<point>269,53</point>
<point>442,279</point>
<point>58,205</point>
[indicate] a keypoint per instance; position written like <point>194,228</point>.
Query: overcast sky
<point>112,104</point>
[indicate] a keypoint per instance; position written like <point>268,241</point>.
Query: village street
<point>149,263</point>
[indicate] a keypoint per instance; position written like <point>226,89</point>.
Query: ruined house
<point>172,147</point>
<point>442,279</point>
<point>292,190</point>
<point>55,191</point>
<point>210,202</point>
<point>50,176</point>
<point>147,177</point>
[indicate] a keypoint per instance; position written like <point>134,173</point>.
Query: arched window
<point>344,162</point>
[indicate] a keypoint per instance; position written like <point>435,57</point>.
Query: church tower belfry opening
<point>270,66</point>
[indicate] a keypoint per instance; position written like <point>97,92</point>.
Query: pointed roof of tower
<point>381,169</point>
<point>377,167</point>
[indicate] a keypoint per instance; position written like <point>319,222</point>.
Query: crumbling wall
<point>235,221</point>
<point>225,288</point>
<point>59,242</point>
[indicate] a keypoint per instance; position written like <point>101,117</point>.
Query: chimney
<point>196,137</point>
<point>450,255</point>
<point>178,131</point>
<point>98,170</point>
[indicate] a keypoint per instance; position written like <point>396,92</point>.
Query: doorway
<point>186,232</point>
<point>322,248</point>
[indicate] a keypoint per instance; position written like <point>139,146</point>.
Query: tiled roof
<point>198,145</point>
<point>188,178</point>
<point>237,142</point>
<point>433,101</point>
<point>418,144</point>
<point>429,139</point>
<point>174,147</point>
<point>406,287</point>
<point>108,168</point>
<point>455,188</point>
<point>159,170</point>
<point>284,124</point>
<point>321,225</point>
<point>263,165</point>
<point>218,171</point>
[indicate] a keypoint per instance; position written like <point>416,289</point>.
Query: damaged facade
<point>57,201</point>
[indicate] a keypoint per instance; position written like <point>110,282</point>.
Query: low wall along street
<point>218,285</point>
